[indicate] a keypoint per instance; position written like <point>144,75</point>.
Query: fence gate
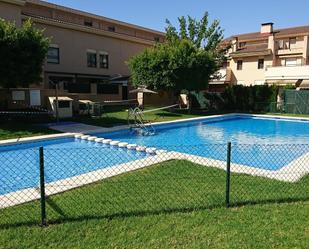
<point>296,102</point>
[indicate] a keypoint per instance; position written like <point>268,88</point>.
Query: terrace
<point>287,72</point>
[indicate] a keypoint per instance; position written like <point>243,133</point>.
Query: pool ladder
<point>140,125</point>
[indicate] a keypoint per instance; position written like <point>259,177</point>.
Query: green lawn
<point>176,204</point>
<point>20,129</point>
<point>290,115</point>
<point>119,116</point>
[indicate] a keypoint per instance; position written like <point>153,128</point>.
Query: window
<point>292,42</point>
<point>261,64</point>
<point>157,39</point>
<point>290,62</point>
<point>61,81</point>
<point>18,95</point>
<point>111,28</point>
<point>88,23</point>
<point>79,88</point>
<point>64,104</point>
<point>239,65</point>
<point>281,44</point>
<point>107,89</point>
<point>242,44</point>
<point>53,55</point>
<point>91,59</point>
<point>104,60</point>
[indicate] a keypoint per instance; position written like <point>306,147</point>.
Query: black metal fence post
<point>42,188</point>
<point>228,174</point>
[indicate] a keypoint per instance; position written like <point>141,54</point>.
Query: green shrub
<point>249,98</point>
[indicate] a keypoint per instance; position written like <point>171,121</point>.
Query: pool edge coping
<point>34,139</point>
<point>63,185</point>
<point>125,127</point>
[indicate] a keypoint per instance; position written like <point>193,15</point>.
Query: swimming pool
<point>261,143</point>
<point>257,141</point>
<point>64,158</point>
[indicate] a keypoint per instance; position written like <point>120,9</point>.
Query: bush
<point>249,98</point>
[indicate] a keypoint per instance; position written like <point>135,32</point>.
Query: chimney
<point>234,44</point>
<point>267,28</point>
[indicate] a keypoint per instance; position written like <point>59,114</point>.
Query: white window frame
<point>103,53</point>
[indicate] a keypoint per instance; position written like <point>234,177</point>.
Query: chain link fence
<point>296,102</point>
<point>48,185</point>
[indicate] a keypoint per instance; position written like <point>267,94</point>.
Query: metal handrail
<point>139,122</point>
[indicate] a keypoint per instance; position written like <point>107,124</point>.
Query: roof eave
<point>86,14</point>
<point>87,29</point>
<point>250,53</point>
<point>15,2</point>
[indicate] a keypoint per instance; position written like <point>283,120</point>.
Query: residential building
<point>271,56</point>
<point>86,51</point>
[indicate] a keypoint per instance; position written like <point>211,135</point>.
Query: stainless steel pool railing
<point>140,124</point>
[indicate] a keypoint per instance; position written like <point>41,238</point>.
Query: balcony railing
<point>287,72</point>
<point>296,50</point>
<point>224,76</point>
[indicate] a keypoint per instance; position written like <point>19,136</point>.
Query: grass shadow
<point>168,114</point>
<point>65,218</point>
<point>267,201</point>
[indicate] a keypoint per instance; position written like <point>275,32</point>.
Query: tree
<point>200,33</point>
<point>22,51</point>
<point>186,61</point>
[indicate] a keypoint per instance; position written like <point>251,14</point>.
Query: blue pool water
<point>67,157</point>
<point>259,142</point>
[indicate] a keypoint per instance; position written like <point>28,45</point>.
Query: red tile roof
<point>277,32</point>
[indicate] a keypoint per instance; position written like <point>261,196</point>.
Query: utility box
<point>65,106</point>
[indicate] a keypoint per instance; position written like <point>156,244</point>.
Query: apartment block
<point>86,52</point>
<point>271,56</point>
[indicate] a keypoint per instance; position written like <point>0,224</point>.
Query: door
<point>35,97</point>
<point>124,92</point>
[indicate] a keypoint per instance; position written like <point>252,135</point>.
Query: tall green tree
<point>187,60</point>
<point>22,52</point>
<point>199,32</point>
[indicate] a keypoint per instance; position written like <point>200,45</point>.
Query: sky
<point>235,17</point>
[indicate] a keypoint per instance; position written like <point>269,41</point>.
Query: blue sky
<point>235,16</point>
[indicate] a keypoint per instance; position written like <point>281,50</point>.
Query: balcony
<point>224,76</point>
<point>289,51</point>
<point>287,72</point>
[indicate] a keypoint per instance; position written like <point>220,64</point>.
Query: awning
<point>142,90</point>
<point>304,84</point>
<point>52,99</point>
<point>85,101</point>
